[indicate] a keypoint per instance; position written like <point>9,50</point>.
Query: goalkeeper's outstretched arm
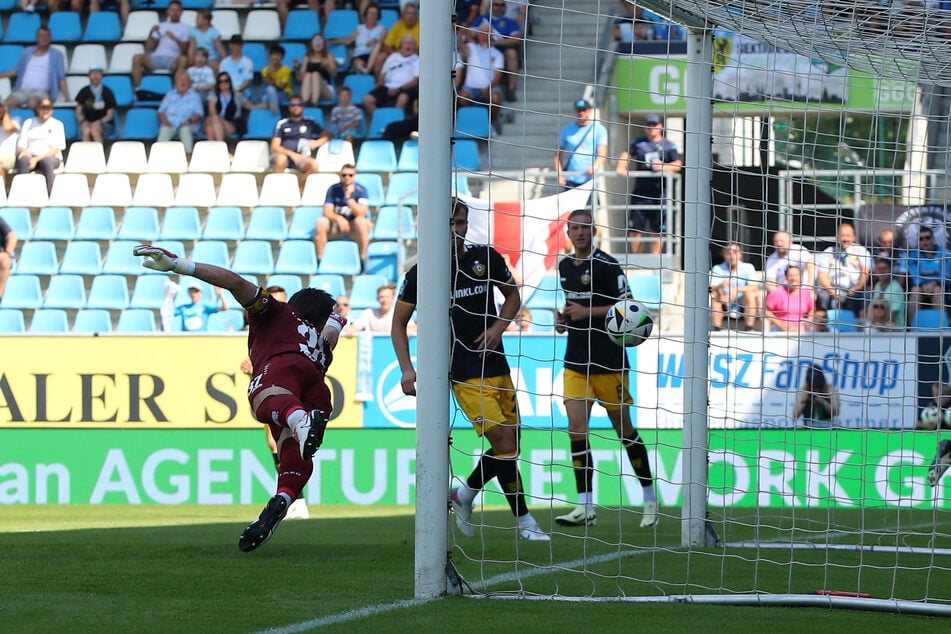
<point>159,259</point>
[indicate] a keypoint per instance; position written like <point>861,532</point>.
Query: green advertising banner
<point>748,468</point>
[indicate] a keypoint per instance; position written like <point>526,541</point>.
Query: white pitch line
<point>344,617</point>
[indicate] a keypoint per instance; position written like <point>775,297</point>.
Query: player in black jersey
<point>596,369</point>
<point>479,372</point>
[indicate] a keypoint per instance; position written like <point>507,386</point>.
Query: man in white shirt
<point>734,289</point>
<point>40,73</point>
<point>397,83</point>
<point>483,64</point>
<point>842,272</point>
<point>41,143</point>
<point>784,255</point>
<point>375,319</point>
<point>165,47</point>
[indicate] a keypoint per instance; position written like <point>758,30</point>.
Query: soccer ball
<point>628,323</point>
<point>930,418</point>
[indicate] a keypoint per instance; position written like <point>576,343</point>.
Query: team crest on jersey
<point>303,129</point>
<point>478,269</point>
<point>586,278</point>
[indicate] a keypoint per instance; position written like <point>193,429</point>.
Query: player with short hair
<point>596,369</point>
<point>479,372</point>
<point>291,346</point>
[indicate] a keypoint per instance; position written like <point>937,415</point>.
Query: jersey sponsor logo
<point>398,408</point>
<point>472,291</point>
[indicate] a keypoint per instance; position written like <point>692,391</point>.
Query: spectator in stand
<point>8,244</point>
<point>397,83</point>
<point>408,24</point>
<point>166,47</point>
<point>515,10</point>
<point>404,129</point>
<point>343,306</point>
<point>239,66</point>
<point>295,140</point>
<point>887,245</point>
<point>507,39</point>
<point>631,26</point>
<point>40,73</point>
<point>654,153</point>
<point>878,317</point>
<point>784,255</point>
<point>378,320</point>
<point>842,272</point>
<point>345,213</point>
<point>95,108</point>
<point>482,84</point>
<point>227,111</point>
<point>734,289</point>
<point>345,118</point>
<point>582,147</point>
<point>277,80</point>
<point>41,144</point>
<point>316,72</point>
<point>928,269</point>
<point>202,75</point>
<point>888,288</point>
<point>365,39</point>
<point>284,7</point>
<point>204,35</point>
<point>789,306</point>
<point>467,11</point>
<point>180,113</point>
<point>193,317</point>
<point>9,133</point>
<point>817,401</point>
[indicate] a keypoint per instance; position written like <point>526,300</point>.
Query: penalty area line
<point>345,617</point>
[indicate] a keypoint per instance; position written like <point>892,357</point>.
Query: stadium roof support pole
<point>432,403</point>
<point>697,198</point>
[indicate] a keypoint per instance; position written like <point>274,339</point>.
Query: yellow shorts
<point>610,390</point>
<point>488,402</point>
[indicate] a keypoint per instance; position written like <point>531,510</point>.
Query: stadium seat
<point>49,320</point>
<point>96,223</point>
<point>20,220</point>
<point>149,291</point>
<point>231,320</point>
<point>383,258</point>
<point>138,26</point>
<point>120,63</point>
<point>154,189</point>
<point>341,23</point>
<point>85,157</point>
<point>54,223</point>
<point>376,155</point>
<point>263,25</point>
<point>70,190</point>
<point>86,55</point>
<point>409,157</point>
<point>127,157</point>
<point>290,283</point>
<point>210,157</point>
<point>102,26</point>
<point>315,189</point>
<point>389,16</point>
<point>251,156</point>
<point>65,291</point>
<point>381,118</point>
<point>472,122</point>
<point>109,292</point>
<point>21,28</point>
<point>167,157</point>
<point>158,84</point>
<point>120,261</point>
<point>82,257</point>
<point>28,190</point>
<point>227,22</point>
<point>12,320</point>
<point>647,289</point>
<point>333,284</point>
<point>548,294</point>
<point>65,27</point>
<point>37,257</point>
<point>341,55</point>
<point>341,257</point>
<point>139,224</point>
<point>465,155</point>
<point>224,223</point>
<point>315,113</point>
<point>394,223</point>
<point>111,190</point>
<point>374,186</point>
<point>261,123</point>
<point>211,252</point>
<point>181,223</point>
<point>280,190</point>
<point>301,24</point>
<point>141,124</point>
<point>364,290</point>
<point>238,190</point>
<point>267,223</point>
<point>92,320</point>
<point>136,320</point>
<point>253,257</point>
<point>23,291</point>
<point>257,53</point>
<point>933,319</point>
<point>196,190</point>
<point>67,116</point>
<point>121,86</point>
<point>841,320</point>
<point>9,56</point>
<point>403,189</point>
<point>359,85</point>
<point>296,257</point>
<point>303,222</point>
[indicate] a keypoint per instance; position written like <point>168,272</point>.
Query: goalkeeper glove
<point>158,259</point>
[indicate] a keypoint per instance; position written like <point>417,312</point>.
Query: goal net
<point>786,422</point>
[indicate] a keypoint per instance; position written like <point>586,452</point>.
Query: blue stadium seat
<point>121,86</point>
<point>841,320</point>
<point>67,116</point>
<point>472,122</point>
<point>261,123</point>
<point>141,124</point>
<point>12,320</point>
<point>197,4</point>
<point>341,23</point>
<point>158,84</point>
<point>149,291</point>
<point>359,85</point>
<point>403,189</point>
<point>231,320</point>
<point>22,291</point>
<point>82,257</point>
<point>257,53</point>
<point>364,290</point>
<point>211,252</point>
<point>290,283</point>
<point>224,223</point>
<point>292,51</point>
<point>409,157</point>
<point>253,257</point>
<point>301,24</point>
<point>646,288</point>
<point>333,284</point>
<point>341,55</point>
<point>136,320</point>
<point>37,257</point>
<point>96,223</point>
<point>383,258</point>
<point>393,224</point>
<point>548,294</point>
<point>376,155</point>
<point>92,320</point>
<point>51,320</point>
<point>388,17</point>
<point>381,118</point>
<point>65,291</point>
<point>303,222</point>
<point>297,257</point>
<point>315,113</point>
<point>65,27</point>
<point>374,186</point>
<point>933,319</point>
<point>54,223</point>
<point>465,155</point>
<point>9,56</point>
<point>341,257</point>
<point>102,26</point>
<point>267,223</point>
<point>20,220</point>
<point>120,261</point>
<point>140,224</point>
<point>109,292</point>
<point>181,223</point>
<point>21,28</point>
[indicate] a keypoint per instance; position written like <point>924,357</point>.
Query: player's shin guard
<point>511,483</point>
<point>637,454</point>
<point>483,472</point>
<point>581,462</point>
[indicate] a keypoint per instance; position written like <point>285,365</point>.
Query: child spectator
<point>202,75</point>
<point>204,35</point>
<point>345,118</point>
<point>277,80</point>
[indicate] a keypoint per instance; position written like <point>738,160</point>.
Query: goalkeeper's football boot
<point>942,461</point>
<point>650,515</point>
<point>261,530</point>
<point>580,516</point>
<point>463,513</point>
<point>309,433</point>
<point>534,533</point>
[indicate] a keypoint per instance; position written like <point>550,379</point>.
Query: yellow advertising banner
<point>164,382</point>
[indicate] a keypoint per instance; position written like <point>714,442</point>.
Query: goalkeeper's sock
<point>511,484</point>
<point>483,472</point>
<point>650,495</point>
<point>295,471</point>
<point>637,454</point>
<point>581,462</point>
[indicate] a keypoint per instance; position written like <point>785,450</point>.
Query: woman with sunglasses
<point>227,111</point>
